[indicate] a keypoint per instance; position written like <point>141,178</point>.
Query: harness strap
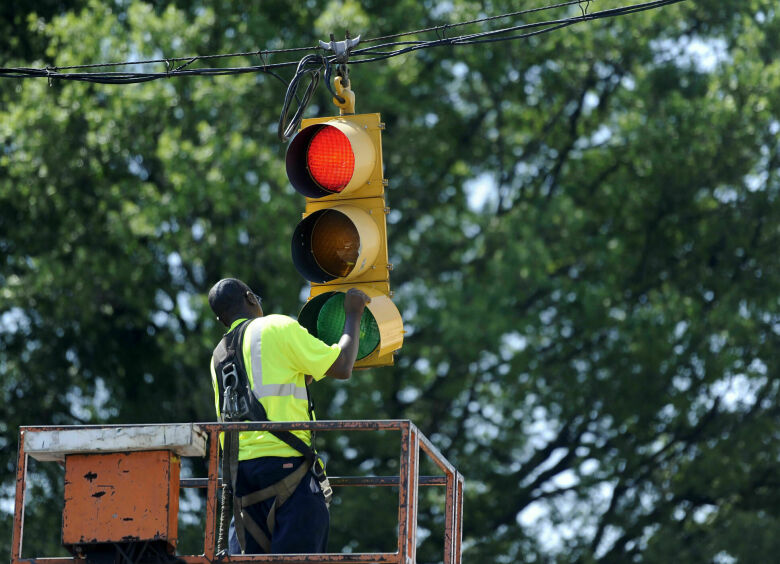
<point>240,525</point>
<point>256,532</point>
<point>247,407</point>
<point>230,463</point>
<point>283,489</point>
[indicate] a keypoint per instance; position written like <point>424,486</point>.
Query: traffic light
<point>341,242</point>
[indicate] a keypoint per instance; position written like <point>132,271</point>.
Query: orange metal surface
<point>121,497</point>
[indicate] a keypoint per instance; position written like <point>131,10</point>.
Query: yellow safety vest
<point>278,354</point>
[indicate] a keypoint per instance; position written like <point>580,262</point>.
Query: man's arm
<point>354,303</point>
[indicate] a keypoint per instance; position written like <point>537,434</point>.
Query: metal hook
<point>343,71</point>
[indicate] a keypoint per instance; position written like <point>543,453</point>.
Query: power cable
<point>470,22</point>
<point>314,64</point>
<point>549,25</point>
<point>267,52</point>
<point>53,73</point>
<point>263,53</point>
<point>311,65</point>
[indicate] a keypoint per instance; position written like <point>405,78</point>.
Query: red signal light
<point>335,157</point>
<point>330,159</point>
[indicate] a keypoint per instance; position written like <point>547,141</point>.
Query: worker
<point>278,358</point>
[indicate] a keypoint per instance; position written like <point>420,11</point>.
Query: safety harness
<point>240,404</point>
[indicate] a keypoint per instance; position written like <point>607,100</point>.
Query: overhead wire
<point>370,53</point>
<point>314,64</point>
<point>264,52</point>
<point>471,39</point>
<point>267,52</point>
<point>470,22</point>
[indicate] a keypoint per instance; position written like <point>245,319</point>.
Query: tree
<point>584,229</point>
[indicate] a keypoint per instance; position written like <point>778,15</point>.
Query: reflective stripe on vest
<point>261,390</point>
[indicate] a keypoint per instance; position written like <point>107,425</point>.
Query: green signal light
<point>330,325</point>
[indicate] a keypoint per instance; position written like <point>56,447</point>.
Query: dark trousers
<point>303,520</point>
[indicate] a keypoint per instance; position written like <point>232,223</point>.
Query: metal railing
<point>412,444</point>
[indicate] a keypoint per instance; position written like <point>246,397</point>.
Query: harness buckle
<point>327,491</point>
<point>318,468</point>
<point>235,407</point>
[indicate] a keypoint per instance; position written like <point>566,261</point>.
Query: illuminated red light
<point>330,159</point>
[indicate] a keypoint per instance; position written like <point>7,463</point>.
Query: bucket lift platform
<point>122,491</point>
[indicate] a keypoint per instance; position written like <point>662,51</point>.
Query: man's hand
<point>355,301</point>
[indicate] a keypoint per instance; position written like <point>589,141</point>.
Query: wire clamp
<point>441,32</point>
<point>340,48</point>
<point>50,71</point>
<point>263,55</point>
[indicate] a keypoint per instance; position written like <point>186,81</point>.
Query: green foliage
<point>584,232</point>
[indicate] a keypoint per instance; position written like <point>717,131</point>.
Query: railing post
<point>453,518</point>
<point>21,478</point>
<point>450,505</point>
<point>458,533</point>
<point>211,496</point>
<point>403,493</point>
<point>414,478</point>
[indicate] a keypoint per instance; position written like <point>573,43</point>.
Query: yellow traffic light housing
<point>341,242</point>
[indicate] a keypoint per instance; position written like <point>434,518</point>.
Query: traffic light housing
<point>341,242</point>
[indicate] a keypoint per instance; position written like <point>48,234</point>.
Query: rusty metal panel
<point>121,497</point>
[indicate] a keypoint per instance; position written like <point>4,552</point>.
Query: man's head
<point>231,299</point>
